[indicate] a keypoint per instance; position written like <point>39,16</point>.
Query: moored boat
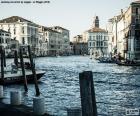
<point>106,60</point>
<point>128,64</point>
<point>17,78</point>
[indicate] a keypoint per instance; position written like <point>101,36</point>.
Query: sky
<point>74,15</point>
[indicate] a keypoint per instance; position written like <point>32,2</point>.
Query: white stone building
<point>97,40</point>
<point>25,31</point>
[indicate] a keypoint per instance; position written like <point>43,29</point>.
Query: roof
<point>118,17</point>
<point>3,31</point>
<point>96,29</point>
<point>138,1</point>
<point>78,36</point>
<point>59,28</point>
<point>49,29</point>
<point>14,19</point>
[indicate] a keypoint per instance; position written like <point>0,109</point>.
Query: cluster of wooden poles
<point>3,64</point>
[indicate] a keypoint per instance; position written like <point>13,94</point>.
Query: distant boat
<point>128,64</point>
<point>106,60</point>
<point>17,78</point>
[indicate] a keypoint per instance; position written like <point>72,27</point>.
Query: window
<point>52,46</point>
<point>9,30</point>
<point>89,37</point>
<point>97,43</point>
<point>6,34</point>
<point>137,33</point>
<point>105,44</point>
<point>93,44</point>
<point>1,40</point>
<point>22,30</point>
<point>97,38</point>
<point>14,31</point>
<point>93,37</point>
<point>101,43</point>
<point>6,40</point>
<point>90,44</point>
<point>51,41</point>
<point>104,37</point>
<point>137,21</point>
<point>101,37</point>
<point>112,39</point>
<point>137,11</point>
<point>23,40</point>
<point>29,40</point>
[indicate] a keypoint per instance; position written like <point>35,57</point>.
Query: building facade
<point>43,40</point>
<point>51,42</point>
<point>97,40</point>
<point>65,39</point>
<point>22,30</point>
<point>125,30</point>
<point>80,47</point>
<point>5,40</point>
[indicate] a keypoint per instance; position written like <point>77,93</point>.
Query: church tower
<point>96,22</point>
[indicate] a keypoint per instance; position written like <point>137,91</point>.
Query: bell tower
<point>96,22</point>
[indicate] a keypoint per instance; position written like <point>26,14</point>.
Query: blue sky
<point>75,15</point>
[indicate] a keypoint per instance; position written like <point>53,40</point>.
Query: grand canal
<point>117,87</point>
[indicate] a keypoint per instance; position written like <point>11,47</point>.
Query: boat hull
<point>125,64</point>
<point>18,79</point>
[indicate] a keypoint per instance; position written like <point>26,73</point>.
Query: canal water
<point>117,88</point>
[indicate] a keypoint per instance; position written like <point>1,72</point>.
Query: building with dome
<point>97,40</point>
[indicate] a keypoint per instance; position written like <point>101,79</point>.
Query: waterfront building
<point>43,42</point>
<point>78,39</point>
<point>65,39</point>
<point>97,39</point>
<point>9,44</point>
<point>5,40</point>
<point>22,30</point>
<point>80,47</point>
<point>126,32</point>
<point>52,42</point>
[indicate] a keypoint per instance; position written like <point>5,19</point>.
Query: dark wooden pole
<point>87,93</point>
<point>16,58</point>
<point>33,71</point>
<point>2,63</point>
<point>23,69</point>
<point>4,58</point>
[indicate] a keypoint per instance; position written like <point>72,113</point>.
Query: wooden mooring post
<point>4,58</point>
<point>23,69</point>
<point>16,58</point>
<point>87,92</point>
<point>2,62</point>
<point>33,71</point>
